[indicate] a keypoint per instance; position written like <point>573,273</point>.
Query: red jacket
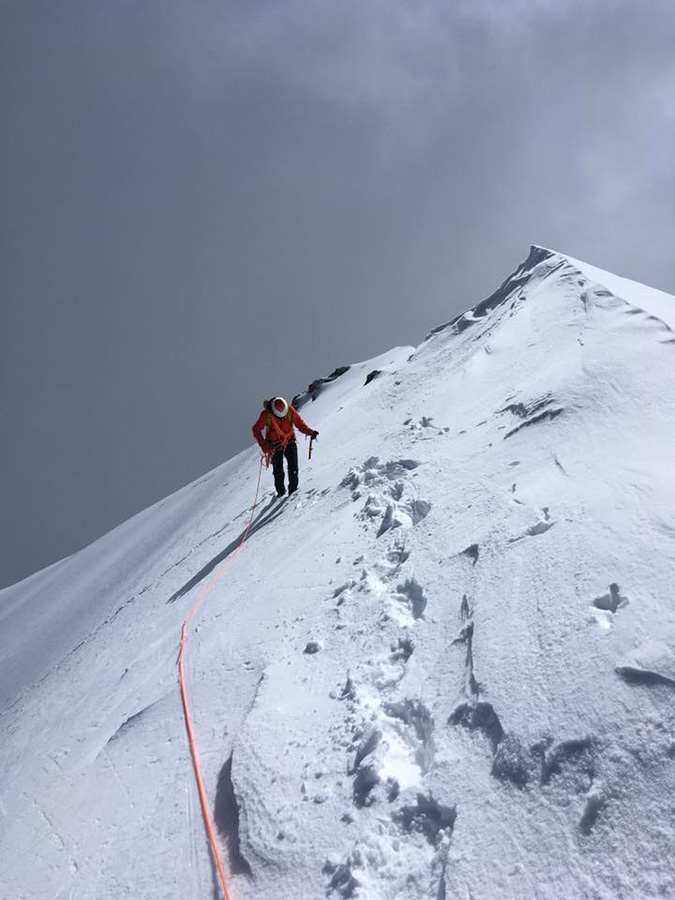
<point>278,431</point>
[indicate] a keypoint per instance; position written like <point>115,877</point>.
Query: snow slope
<point>445,669</point>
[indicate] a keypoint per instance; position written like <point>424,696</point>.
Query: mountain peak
<point>540,264</point>
<point>462,619</point>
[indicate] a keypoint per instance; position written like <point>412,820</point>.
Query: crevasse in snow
<point>446,668</point>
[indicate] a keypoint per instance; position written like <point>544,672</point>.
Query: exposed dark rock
<point>316,386</point>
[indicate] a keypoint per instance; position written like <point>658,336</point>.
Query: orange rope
<point>203,799</point>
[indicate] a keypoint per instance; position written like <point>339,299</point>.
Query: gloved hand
<point>314,435</point>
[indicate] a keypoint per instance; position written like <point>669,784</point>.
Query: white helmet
<point>279,407</point>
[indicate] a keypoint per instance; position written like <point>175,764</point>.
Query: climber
<point>278,419</point>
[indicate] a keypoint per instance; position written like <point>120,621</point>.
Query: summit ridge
<point>446,669</point>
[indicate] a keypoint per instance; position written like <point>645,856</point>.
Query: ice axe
<point>311,441</point>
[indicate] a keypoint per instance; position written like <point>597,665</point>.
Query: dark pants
<point>291,454</point>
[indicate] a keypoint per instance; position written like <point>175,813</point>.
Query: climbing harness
<point>281,439</point>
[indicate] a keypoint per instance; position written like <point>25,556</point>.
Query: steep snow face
<point>445,668</point>
<point>649,300</point>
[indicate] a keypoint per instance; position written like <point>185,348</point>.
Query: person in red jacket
<point>278,419</point>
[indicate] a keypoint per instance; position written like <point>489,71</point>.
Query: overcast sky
<point>205,202</point>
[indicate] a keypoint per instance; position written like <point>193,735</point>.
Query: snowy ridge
<point>446,668</point>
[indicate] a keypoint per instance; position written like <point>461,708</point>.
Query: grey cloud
<point>205,202</point>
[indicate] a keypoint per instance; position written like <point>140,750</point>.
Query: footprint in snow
<point>611,601</point>
<point>387,486</point>
<point>540,527</point>
<point>409,602</point>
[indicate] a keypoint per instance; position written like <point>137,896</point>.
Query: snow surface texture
<point>445,668</point>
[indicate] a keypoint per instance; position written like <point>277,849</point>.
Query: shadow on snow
<point>267,514</point>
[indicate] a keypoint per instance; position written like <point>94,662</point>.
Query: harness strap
<point>281,437</point>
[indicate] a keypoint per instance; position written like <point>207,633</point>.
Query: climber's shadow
<point>267,514</point>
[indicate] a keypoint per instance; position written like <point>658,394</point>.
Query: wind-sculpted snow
<point>539,263</point>
<point>444,669</point>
